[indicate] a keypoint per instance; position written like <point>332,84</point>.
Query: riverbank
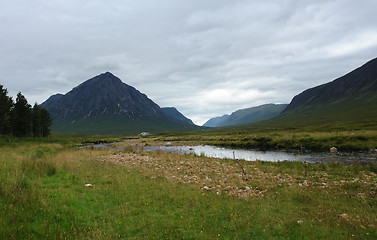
<point>355,140</point>
<point>140,195</point>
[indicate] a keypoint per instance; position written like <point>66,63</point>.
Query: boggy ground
<point>310,184</point>
<point>139,195</point>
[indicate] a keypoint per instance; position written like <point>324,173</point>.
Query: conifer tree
<point>6,104</point>
<point>46,122</point>
<point>21,117</point>
<point>36,121</point>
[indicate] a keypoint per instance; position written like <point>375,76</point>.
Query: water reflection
<point>270,156</point>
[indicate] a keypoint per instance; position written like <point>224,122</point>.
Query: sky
<point>204,57</point>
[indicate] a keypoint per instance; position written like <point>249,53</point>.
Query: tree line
<point>20,119</point>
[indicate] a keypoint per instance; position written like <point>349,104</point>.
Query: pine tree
<point>46,122</point>
<point>21,117</point>
<point>6,104</point>
<point>36,121</point>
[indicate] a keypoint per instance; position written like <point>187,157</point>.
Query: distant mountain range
<point>247,116</point>
<point>350,98</point>
<point>216,121</point>
<point>347,99</point>
<point>106,105</point>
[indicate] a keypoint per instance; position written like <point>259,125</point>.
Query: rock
<point>344,216</point>
<point>299,221</point>
<point>333,149</point>
<point>88,185</point>
<point>168,144</point>
<point>206,188</point>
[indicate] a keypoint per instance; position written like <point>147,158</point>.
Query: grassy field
<point>138,195</point>
<point>345,137</point>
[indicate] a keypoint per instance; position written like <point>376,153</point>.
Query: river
<point>270,156</point>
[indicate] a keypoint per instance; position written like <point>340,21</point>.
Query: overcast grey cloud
<point>206,58</point>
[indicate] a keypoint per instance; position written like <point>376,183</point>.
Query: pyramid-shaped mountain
<point>106,105</point>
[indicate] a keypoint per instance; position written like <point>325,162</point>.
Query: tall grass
<point>42,196</point>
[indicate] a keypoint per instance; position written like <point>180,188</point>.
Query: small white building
<point>144,134</point>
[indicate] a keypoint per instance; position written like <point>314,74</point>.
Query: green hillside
<point>247,115</point>
<point>349,99</point>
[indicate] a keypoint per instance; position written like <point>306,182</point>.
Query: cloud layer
<point>206,58</point>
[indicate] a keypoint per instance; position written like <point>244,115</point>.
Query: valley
<point>53,187</point>
<point>175,120</point>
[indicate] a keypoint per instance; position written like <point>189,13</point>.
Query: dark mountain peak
<point>108,76</point>
<point>103,80</point>
<point>104,104</point>
<point>102,95</point>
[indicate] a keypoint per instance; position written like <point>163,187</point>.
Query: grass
<point>150,196</point>
<point>311,139</point>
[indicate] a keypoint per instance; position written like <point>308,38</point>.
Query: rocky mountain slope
<point>175,114</point>
<point>350,98</point>
<point>106,105</point>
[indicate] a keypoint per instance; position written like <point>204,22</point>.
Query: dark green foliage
<point>46,122</point>
<point>36,120</point>
<point>6,104</point>
<point>19,119</point>
<point>41,122</point>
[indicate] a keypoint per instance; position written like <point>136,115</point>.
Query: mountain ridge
<point>357,84</point>
<point>175,114</point>
<point>350,98</point>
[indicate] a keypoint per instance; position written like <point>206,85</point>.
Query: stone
<point>333,149</point>
<point>88,185</point>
